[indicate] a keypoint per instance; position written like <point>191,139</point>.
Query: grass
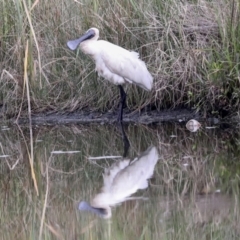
<point>190,47</point>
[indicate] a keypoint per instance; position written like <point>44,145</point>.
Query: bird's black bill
<point>73,44</point>
<point>84,206</point>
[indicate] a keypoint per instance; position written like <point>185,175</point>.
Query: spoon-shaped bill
<point>85,206</point>
<point>73,44</point>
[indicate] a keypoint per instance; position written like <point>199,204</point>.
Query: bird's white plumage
<point>123,179</point>
<point>117,64</point>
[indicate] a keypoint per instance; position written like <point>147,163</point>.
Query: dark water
<point>193,193</point>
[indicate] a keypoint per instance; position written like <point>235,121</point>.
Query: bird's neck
<point>89,47</point>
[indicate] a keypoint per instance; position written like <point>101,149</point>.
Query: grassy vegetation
<point>190,47</point>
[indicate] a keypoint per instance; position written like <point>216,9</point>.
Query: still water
<point>192,193</point>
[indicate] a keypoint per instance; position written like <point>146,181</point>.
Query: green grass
<point>190,47</point>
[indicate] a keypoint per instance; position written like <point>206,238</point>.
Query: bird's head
<point>94,32</point>
<point>90,34</point>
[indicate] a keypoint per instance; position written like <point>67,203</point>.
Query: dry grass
<point>191,48</point>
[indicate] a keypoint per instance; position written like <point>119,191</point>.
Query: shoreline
<point>84,117</point>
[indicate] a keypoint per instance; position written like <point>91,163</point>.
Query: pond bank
<point>82,117</point>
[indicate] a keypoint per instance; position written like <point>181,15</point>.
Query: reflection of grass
<point>190,47</point>
<point>175,209</point>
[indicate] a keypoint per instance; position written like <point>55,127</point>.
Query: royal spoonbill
<point>114,63</point>
<point>120,181</point>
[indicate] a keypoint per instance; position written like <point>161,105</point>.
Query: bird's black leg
<point>122,103</point>
<point>126,143</point>
<point>120,114</point>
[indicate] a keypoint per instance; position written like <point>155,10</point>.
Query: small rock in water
<point>193,125</point>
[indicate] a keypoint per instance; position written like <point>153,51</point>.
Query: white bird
<point>114,63</point>
<point>120,181</point>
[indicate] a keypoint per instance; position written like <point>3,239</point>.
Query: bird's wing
<point>126,64</point>
<point>135,176</point>
<point>110,173</point>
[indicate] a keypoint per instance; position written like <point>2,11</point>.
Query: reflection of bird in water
<point>114,63</point>
<point>120,181</point>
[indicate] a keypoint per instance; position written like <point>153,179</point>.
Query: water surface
<point>193,193</point>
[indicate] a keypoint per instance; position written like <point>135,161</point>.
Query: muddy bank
<point>110,117</point>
